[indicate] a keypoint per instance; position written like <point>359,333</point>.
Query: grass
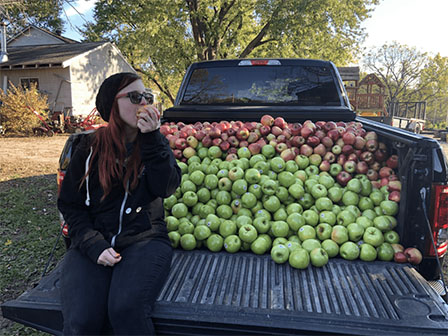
<point>29,225</point>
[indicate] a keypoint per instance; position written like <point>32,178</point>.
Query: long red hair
<point>110,148</point>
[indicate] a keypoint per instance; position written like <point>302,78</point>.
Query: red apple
<point>225,145</point>
<point>372,175</point>
<point>295,128</point>
<point>400,257</point>
<point>362,167</point>
<point>254,148</point>
<point>280,122</point>
<point>181,143</point>
<point>343,177</point>
<point>267,120</point>
<point>288,154</point>
<point>413,255</point>
<point>394,196</point>
<point>313,141</point>
<point>392,161</point>
<point>306,150</point>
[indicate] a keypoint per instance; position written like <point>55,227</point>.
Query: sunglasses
<point>136,97</point>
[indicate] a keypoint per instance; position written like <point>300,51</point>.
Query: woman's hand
<point>109,257</point>
<point>148,119</point>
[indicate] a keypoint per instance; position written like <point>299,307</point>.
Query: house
<point>67,71</point>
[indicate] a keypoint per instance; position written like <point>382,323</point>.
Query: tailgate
<point>245,293</point>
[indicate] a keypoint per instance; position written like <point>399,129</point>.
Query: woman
<point>112,200</point>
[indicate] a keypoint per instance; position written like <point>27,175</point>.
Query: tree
<point>18,14</point>
<point>161,38</point>
<point>399,67</point>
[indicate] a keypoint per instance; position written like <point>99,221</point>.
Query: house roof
<point>27,30</point>
<point>45,56</point>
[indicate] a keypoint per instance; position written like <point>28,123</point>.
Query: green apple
<point>385,252</point>
<point>335,194</point>
<point>391,237</point>
<point>223,197</point>
<point>277,164</point>
<point>364,221</point>
<point>172,223</point>
<point>268,151</point>
<point>336,209</point>
<point>195,209</point>
<point>280,240</point>
<point>227,228</point>
<point>309,184</point>
<point>244,152</point>
<point>263,213</point>
<point>183,167</point>
<point>232,244</point>
<point>369,213</point>
<point>280,214</point>
<point>174,237</point>
<point>259,246</point>
<point>211,170</point>
<point>306,201</point>
<point>296,190</point>
<point>256,190</point>
<point>355,232</point>
<point>271,203</point>
<point>202,232</point>
<point>186,227</point>
<point>188,242</point>
<point>302,161</point>
<point>211,181</point>
<point>328,217</point>
<point>365,203</point>
<point>323,231</point>
<point>331,247</point>
<point>282,194</point>
<point>295,221</point>
<point>368,252</point>
<point>225,184</point>
<point>312,171</point>
<point>324,203</point>
<point>239,187</point>
<point>294,208</point>
<point>393,221</point>
<point>197,177</point>
<point>318,190</point>
<point>291,166</point>
<point>269,187</point>
<point>262,224</point>
<point>286,179</point>
<point>389,208</point>
<point>299,258</point>
<point>376,196</point>
<point>349,251</point>
<point>267,238</point>
<point>366,187</point>
<point>206,210</point>
<point>306,232</point>
<point>248,200</point>
<point>280,253</point>
<point>311,217</point>
<point>350,198</point>
<point>203,195</point>
<point>252,176</point>
<point>279,228</point>
<point>224,211</point>
<point>169,202</point>
<point>262,167</point>
<point>292,245</point>
<point>190,198</point>
<point>327,181</point>
<point>222,173</point>
<point>373,236</point>
<point>247,233</point>
<point>256,158</point>
<point>353,209</point>
<point>319,257</point>
<point>213,222</point>
<point>345,217</point>
<point>382,223</point>
<point>354,185</point>
<point>236,173</point>
<point>310,244</point>
<point>214,152</point>
<point>339,234</point>
<point>242,220</point>
<point>301,175</point>
<point>215,242</point>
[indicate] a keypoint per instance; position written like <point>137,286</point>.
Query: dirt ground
<point>25,157</point>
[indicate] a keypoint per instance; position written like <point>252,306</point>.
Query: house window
<point>26,82</point>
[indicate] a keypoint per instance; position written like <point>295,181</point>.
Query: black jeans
<point>96,298</point>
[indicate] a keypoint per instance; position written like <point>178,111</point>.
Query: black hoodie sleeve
<point>72,205</point>
<point>162,172</point>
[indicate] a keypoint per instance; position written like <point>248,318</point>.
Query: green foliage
<point>41,13</point>
<point>16,114</point>
<point>160,39</point>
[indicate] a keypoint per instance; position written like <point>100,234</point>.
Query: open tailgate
<point>224,293</point>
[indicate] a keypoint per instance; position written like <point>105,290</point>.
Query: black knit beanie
<point>107,92</point>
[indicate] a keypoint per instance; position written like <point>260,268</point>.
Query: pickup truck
<point>244,293</point>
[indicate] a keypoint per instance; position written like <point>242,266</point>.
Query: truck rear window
<point>262,85</point>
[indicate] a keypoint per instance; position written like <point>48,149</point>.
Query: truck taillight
<point>60,178</point>
<point>439,219</point>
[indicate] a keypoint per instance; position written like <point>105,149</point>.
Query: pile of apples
<point>302,192</point>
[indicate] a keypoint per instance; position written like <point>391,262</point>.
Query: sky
<point>422,24</point>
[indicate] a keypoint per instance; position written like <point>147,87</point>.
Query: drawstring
<point>87,177</point>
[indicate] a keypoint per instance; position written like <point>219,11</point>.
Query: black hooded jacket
<point>123,217</point>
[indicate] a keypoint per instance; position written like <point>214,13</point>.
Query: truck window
<point>267,85</point>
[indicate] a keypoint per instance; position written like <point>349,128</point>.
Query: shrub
<point>16,114</point>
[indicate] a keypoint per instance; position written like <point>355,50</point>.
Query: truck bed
<point>222,293</point>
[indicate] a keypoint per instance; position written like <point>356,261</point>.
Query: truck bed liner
<point>244,293</point>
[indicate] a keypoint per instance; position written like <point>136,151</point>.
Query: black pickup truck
<point>244,293</point>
